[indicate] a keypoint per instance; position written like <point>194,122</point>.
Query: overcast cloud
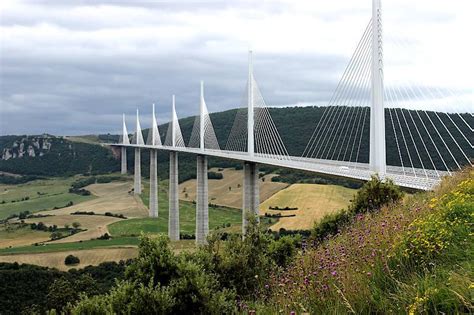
<point>73,67</point>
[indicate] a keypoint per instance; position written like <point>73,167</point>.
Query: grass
<point>187,215</point>
<point>87,257</point>
<point>312,200</point>
<point>414,257</point>
<point>15,235</point>
<point>219,192</point>
<point>58,247</point>
<point>43,194</point>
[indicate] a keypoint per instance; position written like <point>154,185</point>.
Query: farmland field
<point>228,190</point>
<point>13,235</point>
<point>87,257</point>
<point>187,215</point>
<point>40,194</point>
<point>80,245</point>
<point>89,252</point>
<point>312,200</point>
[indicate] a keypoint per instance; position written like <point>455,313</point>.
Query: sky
<point>73,67</point>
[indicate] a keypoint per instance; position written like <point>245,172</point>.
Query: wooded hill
<point>295,125</point>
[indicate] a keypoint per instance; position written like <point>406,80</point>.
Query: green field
<point>43,194</point>
<point>58,247</point>
<point>187,216</point>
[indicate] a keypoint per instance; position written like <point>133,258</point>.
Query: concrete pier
<point>173,221</point>
<point>153,184</point>
<point>251,193</point>
<point>123,156</point>
<point>137,187</point>
<point>202,203</point>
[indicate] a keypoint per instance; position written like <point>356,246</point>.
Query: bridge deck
<point>405,177</point>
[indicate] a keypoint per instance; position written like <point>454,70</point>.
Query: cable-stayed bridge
<point>362,113</point>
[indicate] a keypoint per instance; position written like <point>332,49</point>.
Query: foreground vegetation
<point>389,254</point>
<point>410,256</point>
<point>29,289</point>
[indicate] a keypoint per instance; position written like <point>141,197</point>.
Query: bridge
<point>429,145</point>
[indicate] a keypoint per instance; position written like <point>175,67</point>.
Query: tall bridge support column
<point>251,193</point>
<point>173,220</point>
<point>123,155</point>
<point>377,159</point>
<point>202,203</point>
<point>137,187</point>
<point>153,184</point>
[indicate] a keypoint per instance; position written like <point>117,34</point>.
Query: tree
<point>71,260</point>
<point>56,235</point>
<point>64,291</point>
<point>76,225</point>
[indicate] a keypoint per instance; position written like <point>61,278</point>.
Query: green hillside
<point>48,155</point>
<point>75,155</point>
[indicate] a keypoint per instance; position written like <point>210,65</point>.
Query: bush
<point>330,224</point>
<point>283,250</point>
<point>56,236</point>
<point>375,194</point>
<point>215,175</point>
<point>71,260</point>
<point>371,197</point>
<point>105,236</point>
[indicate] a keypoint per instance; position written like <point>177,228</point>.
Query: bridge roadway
<point>404,177</point>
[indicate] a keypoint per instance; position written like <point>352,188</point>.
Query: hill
<point>47,155</point>
<point>34,155</point>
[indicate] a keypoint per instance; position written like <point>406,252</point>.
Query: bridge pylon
<point>153,140</point>
<point>251,112</point>
<point>138,140</point>
<point>123,150</point>
<point>176,138</point>
<point>377,158</point>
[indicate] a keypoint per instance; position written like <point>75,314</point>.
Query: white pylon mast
<point>125,139</point>
<point>250,120</point>
<point>377,158</point>
<point>201,118</point>
<point>139,135</point>
<point>173,127</point>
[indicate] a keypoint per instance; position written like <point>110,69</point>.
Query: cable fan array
<point>418,143</point>
<point>153,137</point>
<point>137,137</point>
<point>426,142</point>
<point>210,139</point>
<point>174,130</point>
<point>342,132</point>
<point>267,140</point>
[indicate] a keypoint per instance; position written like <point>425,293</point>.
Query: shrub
<point>371,197</point>
<point>283,250</point>
<point>215,175</point>
<point>105,236</point>
<point>330,224</point>
<point>71,260</point>
<point>375,194</point>
<point>56,236</point>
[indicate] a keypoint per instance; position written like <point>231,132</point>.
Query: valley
<point>18,242</point>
